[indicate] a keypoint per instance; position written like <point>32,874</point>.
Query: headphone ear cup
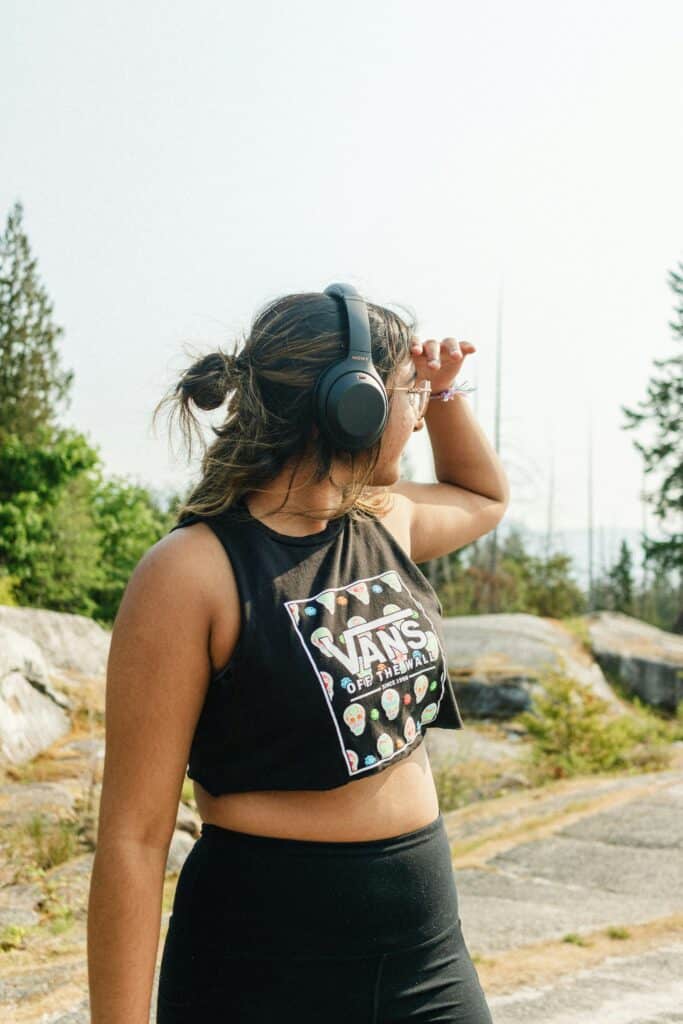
<point>350,403</point>
<point>351,407</point>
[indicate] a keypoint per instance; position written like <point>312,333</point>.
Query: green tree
<point>657,600</point>
<point>48,540</point>
<point>621,579</point>
<point>663,409</point>
<point>69,539</point>
<point>615,589</point>
<point>32,384</point>
<point>129,520</point>
<point>524,582</point>
<point>67,566</point>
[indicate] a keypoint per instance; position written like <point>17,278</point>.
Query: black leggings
<point>266,929</point>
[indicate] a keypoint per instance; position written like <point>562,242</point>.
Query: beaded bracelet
<point>453,390</point>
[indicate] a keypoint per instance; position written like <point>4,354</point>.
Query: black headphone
<point>350,404</point>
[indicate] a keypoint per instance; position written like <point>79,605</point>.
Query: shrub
<point>53,843</point>
<point>574,732</point>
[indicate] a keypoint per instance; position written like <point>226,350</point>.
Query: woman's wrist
<point>450,392</point>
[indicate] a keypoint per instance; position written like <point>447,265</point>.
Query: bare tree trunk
<point>493,565</point>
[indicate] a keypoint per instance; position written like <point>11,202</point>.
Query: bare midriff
<point>399,799</point>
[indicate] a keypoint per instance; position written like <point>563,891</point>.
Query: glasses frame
<point>423,388</point>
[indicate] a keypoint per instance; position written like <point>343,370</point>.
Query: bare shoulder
<point>171,588</point>
<point>199,550</point>
<point>172,572</point>
<point>193,547</point>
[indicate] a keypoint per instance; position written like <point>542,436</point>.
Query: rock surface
<point>72,643</point>
<point>29,721</point>
<point>32,713</point>
<point>647,661</point>
<point>19,802</point>
<point>181,844</point>
<point>51,664</point>
<point>495,662</point>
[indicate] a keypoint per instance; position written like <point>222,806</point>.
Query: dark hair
<point>269,417</point>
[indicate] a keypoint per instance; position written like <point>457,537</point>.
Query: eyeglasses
<point>418,396</point>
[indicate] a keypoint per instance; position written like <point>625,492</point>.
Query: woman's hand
<point>439,361</point>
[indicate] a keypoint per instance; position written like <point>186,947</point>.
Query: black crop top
<point>339,666</point>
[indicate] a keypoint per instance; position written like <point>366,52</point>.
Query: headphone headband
<point>350,403</point>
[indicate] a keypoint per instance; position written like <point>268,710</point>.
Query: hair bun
<point>236,364</point>
<point>207,381</point>
<point>231,363</point>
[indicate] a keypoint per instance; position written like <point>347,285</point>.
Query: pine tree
<point>664,409</point>
<point>31,381</point>
<point>620,577</point>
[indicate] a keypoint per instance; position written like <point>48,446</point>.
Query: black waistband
<point>216,833</point>
<point>263,894</point>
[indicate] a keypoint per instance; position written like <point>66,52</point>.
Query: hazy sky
<point>182,164</point>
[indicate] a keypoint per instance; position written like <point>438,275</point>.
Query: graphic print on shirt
<point>379,661</point>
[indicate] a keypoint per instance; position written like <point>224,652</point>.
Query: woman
<point>282,637</point>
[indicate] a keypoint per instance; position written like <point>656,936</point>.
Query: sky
<point>181,165</point>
